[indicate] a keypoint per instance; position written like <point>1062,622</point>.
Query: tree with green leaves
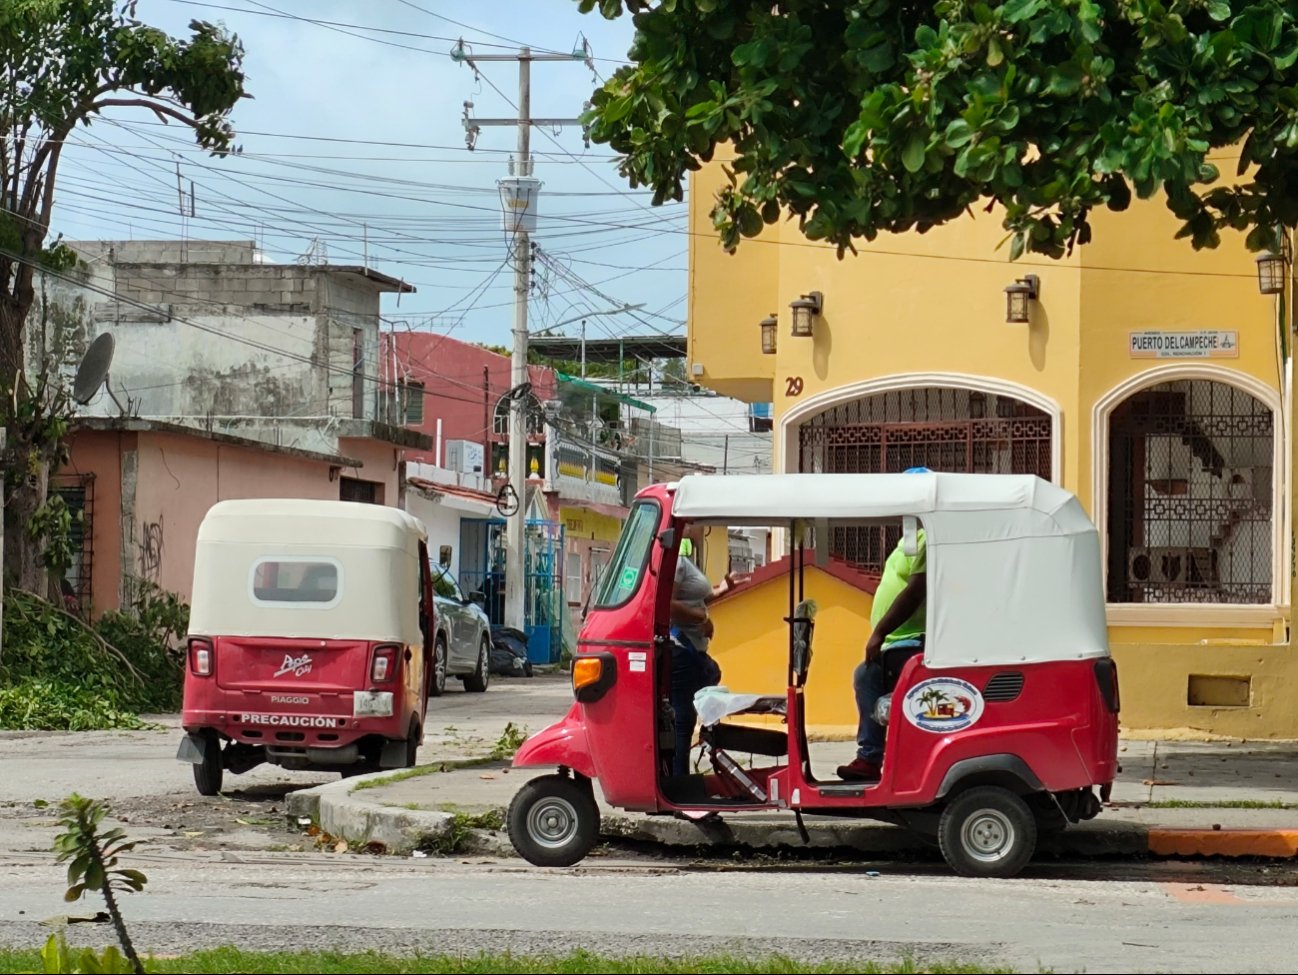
<point>62,64</point>
<point>867,116</point>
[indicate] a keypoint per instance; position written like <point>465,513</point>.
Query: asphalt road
<point>1064,924</point>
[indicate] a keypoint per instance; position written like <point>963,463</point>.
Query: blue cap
<point>918,470</point>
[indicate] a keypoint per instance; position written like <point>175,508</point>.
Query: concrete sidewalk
<point>1224,798</point>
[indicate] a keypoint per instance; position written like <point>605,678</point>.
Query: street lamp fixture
<point>805,312</point>
<point>1270,273</point>
<point>768,326</point>
<point>1017,297</point>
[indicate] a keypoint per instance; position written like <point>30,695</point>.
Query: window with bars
<point>78,493</point>
<point>943,429</point>
<point>412,404</point>
<point>1191,496</point>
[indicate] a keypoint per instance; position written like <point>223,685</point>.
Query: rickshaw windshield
<point>622,575</point>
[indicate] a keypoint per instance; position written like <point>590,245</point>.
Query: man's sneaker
<point>860,770</point>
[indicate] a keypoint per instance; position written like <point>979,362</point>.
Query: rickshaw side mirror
<point>667,538</point>
<point>478,598</point>
<point>910,536</point>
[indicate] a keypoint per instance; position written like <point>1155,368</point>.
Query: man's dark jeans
<point>871,682</point>
<point>691,672</point>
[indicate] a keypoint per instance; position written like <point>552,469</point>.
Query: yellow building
<point>1148,379</point>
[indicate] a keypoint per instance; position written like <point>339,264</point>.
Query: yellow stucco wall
<point>752,646</point>
<point>930,309</point>
<point>583,523</point>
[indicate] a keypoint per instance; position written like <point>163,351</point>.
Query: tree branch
<point>104,644</point>
<point>47,202</point>
<point>159,109</point>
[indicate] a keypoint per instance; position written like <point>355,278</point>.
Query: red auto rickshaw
<point>310,639</point>
<point>1001,729</point>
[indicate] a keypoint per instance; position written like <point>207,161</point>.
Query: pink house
<point>144,486</point>
<point>451,390</point>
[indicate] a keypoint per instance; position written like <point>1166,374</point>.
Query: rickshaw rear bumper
<point>562,744</point>
<point>300,730</point>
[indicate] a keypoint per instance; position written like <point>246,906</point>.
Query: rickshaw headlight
<point>201,657</point>
<point>592,676</point>
<point>385,664</point>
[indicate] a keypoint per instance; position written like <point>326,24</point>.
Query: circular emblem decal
<point>943,705</point>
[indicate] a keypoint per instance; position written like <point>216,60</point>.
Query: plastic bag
<point>882,709</point>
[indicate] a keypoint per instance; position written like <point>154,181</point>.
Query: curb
<point>871,838</point>
<point>341,812</point>
<point>1271,844</point>
<point>359,821</point>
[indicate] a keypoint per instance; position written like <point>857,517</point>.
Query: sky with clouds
<point>355,138</point>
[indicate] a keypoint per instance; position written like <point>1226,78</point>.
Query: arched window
<point>945,429</point>
<point>1191,495</point>
<point>535,417</point>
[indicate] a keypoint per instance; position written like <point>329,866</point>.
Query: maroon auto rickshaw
<point>309,639</point>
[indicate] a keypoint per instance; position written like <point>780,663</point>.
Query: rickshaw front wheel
<point>209,773</point>
<point>987,832</point>
<point>553,821</point>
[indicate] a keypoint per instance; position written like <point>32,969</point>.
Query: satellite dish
<point>93,370</point>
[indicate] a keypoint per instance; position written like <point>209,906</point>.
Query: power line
<point>501,37</point>
<point>344,141</point>
<point>334,25</point>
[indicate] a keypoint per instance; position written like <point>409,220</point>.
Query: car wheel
<point>437,685</point>
<point>553,821</point>
<point>209,773</point>
<point>987,832</point>
<point>481,676</point>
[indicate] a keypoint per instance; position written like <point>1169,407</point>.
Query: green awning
<point>605,391</point>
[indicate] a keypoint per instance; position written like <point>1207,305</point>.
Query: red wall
<point>452,374</point>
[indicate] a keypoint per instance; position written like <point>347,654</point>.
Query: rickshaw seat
<point>751,741</point>
<point>714,703</point>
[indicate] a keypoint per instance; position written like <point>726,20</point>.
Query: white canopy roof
<point>297,520</point>
<point>369,554</point>
<point>1013,560</point>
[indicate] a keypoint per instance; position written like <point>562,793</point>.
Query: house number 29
<point>793,386</point>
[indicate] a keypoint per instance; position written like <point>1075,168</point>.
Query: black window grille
<point>1190,496</point>
<point>954,430</point>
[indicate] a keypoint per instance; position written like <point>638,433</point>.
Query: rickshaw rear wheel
<point>553,821</point>
<point>412,744</point>
<point>987,832</point>
<point>210,772</point>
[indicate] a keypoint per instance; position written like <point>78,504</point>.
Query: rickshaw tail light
<point>201,657</point>
<point>385,664</point>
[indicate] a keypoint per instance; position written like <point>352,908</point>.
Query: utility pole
<point>518,197</point>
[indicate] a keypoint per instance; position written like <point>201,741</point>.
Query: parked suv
<point>463,642</point>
